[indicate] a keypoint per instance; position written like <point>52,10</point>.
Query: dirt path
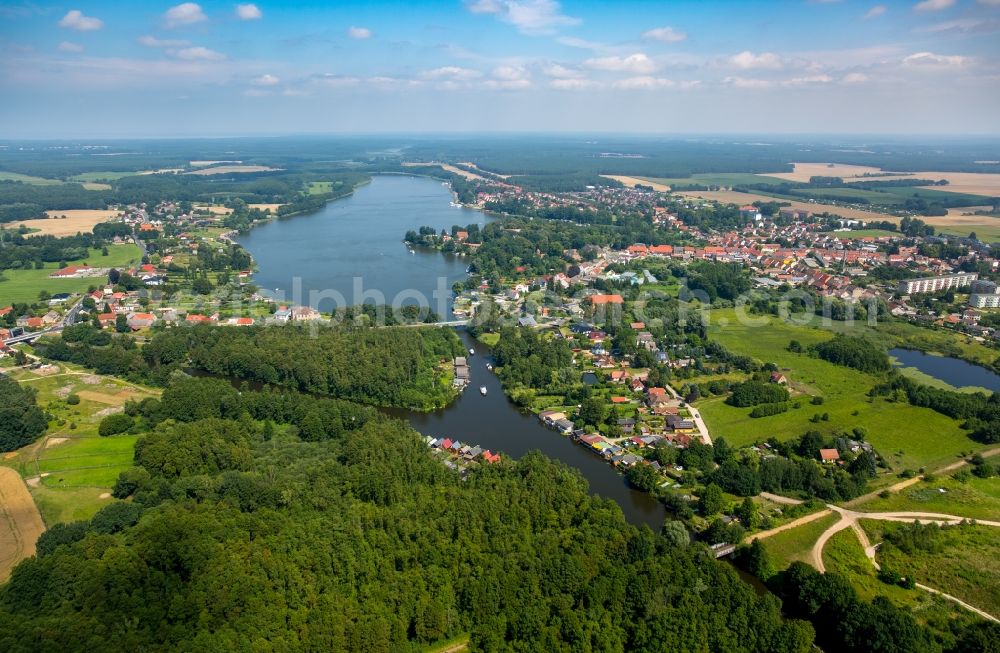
<point>777,498</point>
<point>790,525</point>
<point>20,522</point>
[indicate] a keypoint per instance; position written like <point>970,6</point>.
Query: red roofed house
<point>619,400</point>
<point>71,271</point>
<point>600,300</point>
<point>829,455</point>
<point>141,320</point>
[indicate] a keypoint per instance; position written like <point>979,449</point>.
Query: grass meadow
<point>24,285</point>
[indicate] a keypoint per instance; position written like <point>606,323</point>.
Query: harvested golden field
<point>635,181</point>
<point>214,209</point>
<point>76,220</point>
<point>273,208</point>
<point>225,170</point>
<point>20,522</point>
<point>973,183</point>
<point>202,164</point>
<point>735,197</point>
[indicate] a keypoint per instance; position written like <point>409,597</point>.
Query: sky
<point>152,69</point>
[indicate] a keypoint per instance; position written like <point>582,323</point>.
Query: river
<point>360,236</point>
<point>953,371</point>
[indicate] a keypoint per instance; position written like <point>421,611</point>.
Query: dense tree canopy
<point>21,420</point>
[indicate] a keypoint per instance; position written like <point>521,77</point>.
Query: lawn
<point>28,179</point>
<point>320,187</point>
<point>24,285</point>
<point>907,436</point>
<point>963,563</point>
<point>796,544</point>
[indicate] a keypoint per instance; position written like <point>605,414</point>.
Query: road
<point>695,416</point>
<point>68,320</point>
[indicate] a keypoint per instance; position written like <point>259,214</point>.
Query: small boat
<point>472,352</point>
<point>482,390</point>
<point>489,366</point>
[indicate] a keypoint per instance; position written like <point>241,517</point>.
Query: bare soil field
<point>76,220</point>
<point>635,181</point>
<point>225,170</point>
<point>273,208</point>
<point>20,522</point>
<point>116,399</point>
<point>735,197</point>
<point>201,164</point>
<point>216,210</point>
<point>803,171</point>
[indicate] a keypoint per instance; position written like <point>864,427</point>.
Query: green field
<point>862,233</point>
<point>24,285</point>
<point>28,179</point>
<point>102,176</point>
<point>727,179</point>
<point>977,498</point>
<point>71,467</point>
<point>320,187</point>
<point>965,564</point>
<point>796,544</point>
<point>906,436</point>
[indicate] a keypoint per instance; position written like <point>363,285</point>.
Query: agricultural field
<point>959,560</point>
<point>89,177</point>
<point>28,179</point>
<point>71,469</point>
<point>24,285</point>
<point>906,436</point>
<point>231,169</point>
<point>68,222</point>
<point>736,197</point>
<point>724,179</point>
<point>972,183</point>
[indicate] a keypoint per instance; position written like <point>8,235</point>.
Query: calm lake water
<point>352,251</point>
<point>953,371</point>
<point>360,236</point>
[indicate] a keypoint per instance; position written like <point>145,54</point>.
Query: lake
<point>953,371</point>
<point>360,236</point>
<point>352,251</point>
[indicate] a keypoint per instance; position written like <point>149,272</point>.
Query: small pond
<point>953,371</point>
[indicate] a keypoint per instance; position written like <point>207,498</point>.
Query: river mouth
<point>953,371</point>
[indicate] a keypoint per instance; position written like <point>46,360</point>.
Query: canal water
<point>352,252</point>
<point>953,371</point>
<point>360,236</point>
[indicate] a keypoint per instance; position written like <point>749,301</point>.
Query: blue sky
<point>223,68</point>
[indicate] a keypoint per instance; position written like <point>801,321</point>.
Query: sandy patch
<point>104,495</point>
<point>735,197</point>
<point>470,164</point>
<point>45,370</point>
<point>20,522</point>
<point>9,455</point>
<point>632,182</point>
<point>266,207</point>
<point>64,391</point>
<point>202,164</point>
<point>113,410</point>
<point>446,166</point>
<point>90,379</point>
<point>76,220</point>
<point>214,209</point>
<point>53,442</point>
<point>34,481</point>
<point>225,170</point>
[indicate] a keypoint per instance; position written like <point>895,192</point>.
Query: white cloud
<point>964,26</point>
<point>528,16</point>
<point>75,19</point>
<point>572,84</point>
<point>933,5</point>
<point>876,11</point>
<point>808,79</point>
<point>248,12</point>
<point>929,59</point>
<point>562,72</point>
<point>507,84</point>
<point>743,82</point>
<point>665,34</point>
<point>337,81</point>
<point>747,60</point>
<point>153,42</point>
<point>855,78</point>
<point>637,63</point>
<point>452,73</point>
<point>266,80</point>
<point>359,33</point>
<point>510,73</point>
<point>198,53</point>
<point>66,46</point>
<point>186,13</point>
<point>644,82</point>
